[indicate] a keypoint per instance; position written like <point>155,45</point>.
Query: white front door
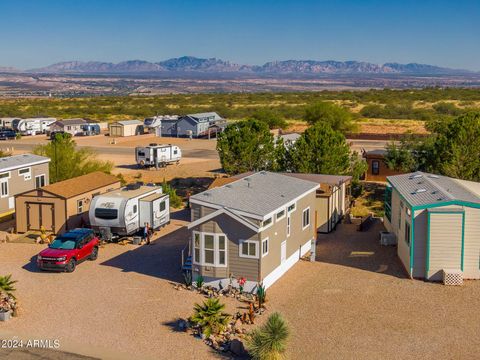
<point>283,252</point>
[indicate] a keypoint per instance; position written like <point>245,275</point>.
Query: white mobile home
<point>436,221</point>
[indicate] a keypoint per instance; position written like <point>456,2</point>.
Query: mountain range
<point>190,64</point>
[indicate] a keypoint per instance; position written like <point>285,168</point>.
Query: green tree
<point>175,200</point>
<point>67,161</point>
<point>7,285</point>
<point>400,157</point>
<point>269,341</point>
<point>210,316</point>
<point>320,150</point>
<point>336,116</point>
<point>246,146</point>
<point>270,117</point>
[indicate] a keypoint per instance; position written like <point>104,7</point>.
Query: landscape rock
<point>237,348</point>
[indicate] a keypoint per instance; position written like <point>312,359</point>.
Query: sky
<point>35,33</point>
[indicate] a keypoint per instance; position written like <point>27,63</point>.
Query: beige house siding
<point>420,245</point>
<point>277,233</point>
<point>322,204</point>
<point>399,216</point>
<point>471,259</point>
<point>445,243</point>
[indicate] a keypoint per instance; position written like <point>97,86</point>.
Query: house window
<point>26,173</point>
<point>407,233</point>
<point>388,203</point>
<point>4,188</point>
<point>162,206</point>
<point>280,215</point>
<point>291,208</point>
<point>39,181</point>
<point>248,249</point>
<point>267,222</point>
<point>209,249</point>
<point>375,167</point>
<point>306,218</point>
<point>289,219</point>
<point>79,206</point>
<point>5,175</point>
<point>264,247</point>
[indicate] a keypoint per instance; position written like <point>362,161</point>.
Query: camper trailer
<point>32,126</point>
<point>125,211</point>
<point>6,123</point>
<point>89,130</point>
<point>153,124</point>
<point>157,155</point>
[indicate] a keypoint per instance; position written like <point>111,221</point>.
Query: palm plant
<point>210,317</point>
<point>269,341</point>
<point>6,285</point>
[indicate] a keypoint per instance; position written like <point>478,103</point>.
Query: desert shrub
<point>210,317</point>
<point>268,342</point>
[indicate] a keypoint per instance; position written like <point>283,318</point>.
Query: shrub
<point>7,285</point>
<point>175,200</point>
<point>210,317</point>
<point>268,342</point>
<point>200,281</point>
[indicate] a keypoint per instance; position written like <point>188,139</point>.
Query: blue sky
<point>41,32</point>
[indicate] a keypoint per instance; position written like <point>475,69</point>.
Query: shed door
<point>445,243</point>
<point>40,214</point>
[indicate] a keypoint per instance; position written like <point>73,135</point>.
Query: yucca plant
<point>210,317</point>
<point>268,342</point>
<point>6,285</point>
<point>187,278</point>
<point>261,294</point>
<point>200,281</point>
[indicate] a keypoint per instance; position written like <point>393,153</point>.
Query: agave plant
<point>187,278</point>
<point>210,317</point>
<point>268,342</point>
<point>200,281</point>
<point>261,294</point>
<point>6,285</point>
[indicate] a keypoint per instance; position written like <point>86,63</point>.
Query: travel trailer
<point>6,123</point>
<point>125,211</point>
<point>154,124</point>
<point>157,155</point>
<point>89,130</point>
<point>32,126</point>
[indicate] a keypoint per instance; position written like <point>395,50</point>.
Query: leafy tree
<point>337,117</point>
<point>67,161</point>
<point>246,146</point>
<point>320,150</point>
<point>400,157</point>
<point>210,316</point>
<point>270,117</point>
<point>175,200</point>
<point>269,341</point>
<point>447,108</point>
<point>7,285</point>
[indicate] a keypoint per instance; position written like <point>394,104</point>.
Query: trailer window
<point>162,206</point>
<point>108,214</point>
<point>141,153</point>
<point>134,209</point>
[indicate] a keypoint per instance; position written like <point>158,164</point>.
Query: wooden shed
<point>125,128</point>
<point>377,168</point>
<point>61,206</point>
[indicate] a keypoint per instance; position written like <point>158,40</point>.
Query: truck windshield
<point>108,214</point>
<point>64,243</point>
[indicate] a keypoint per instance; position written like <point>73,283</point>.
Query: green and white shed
<point>436,220</point>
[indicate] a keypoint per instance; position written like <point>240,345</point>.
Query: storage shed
<point>377,168</point>
<point>61,206</point>
<point>125,128</point>
<point>436,220</point>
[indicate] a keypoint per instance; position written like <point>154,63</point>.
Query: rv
<point>89,129</point>
<point>154,124</point>
<point>157,155</point>
<point>32,126</point>
<point>6,123</point>
<point>125,211</point>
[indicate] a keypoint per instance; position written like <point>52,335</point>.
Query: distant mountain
<point>190,64</point>
<point>8,69</point>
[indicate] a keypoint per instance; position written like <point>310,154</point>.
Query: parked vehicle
<point>89,130</point>
<point>157,155</point>
<point>69,249</point>
<point>7,135</point>
<point>125,211</point>
<point>32,126</point>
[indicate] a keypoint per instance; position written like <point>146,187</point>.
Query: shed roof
<point>421,188</point>
<point>17,161</point>
<point>128,122</point>
<point>258,194</point>
<point>81,184</point>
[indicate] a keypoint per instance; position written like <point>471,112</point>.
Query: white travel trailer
<point>154,124</point>
<point>6,123</point>
<point>33,126</point>
<point>157,155</point>
<point>125,211</point>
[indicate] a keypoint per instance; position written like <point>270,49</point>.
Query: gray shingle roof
<point>421,188</point>
<point>72,122</point>
<point>258,194</point>
<point>18,161</point>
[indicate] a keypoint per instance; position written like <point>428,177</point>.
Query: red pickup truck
<point>69,249</point>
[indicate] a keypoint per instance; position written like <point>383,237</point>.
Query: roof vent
<point>228,186</point>
<point>418,191</point>
<point>433,176</point>
<point>263,172</point>
<point>416,176</point>
<point>207,194</point>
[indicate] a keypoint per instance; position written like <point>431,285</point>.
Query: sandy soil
<point>354,302</point>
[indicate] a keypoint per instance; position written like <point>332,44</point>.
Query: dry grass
<point>370,202</point>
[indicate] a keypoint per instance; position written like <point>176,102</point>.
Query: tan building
<point>436,221</point>
<point>70,126</point>
<point>61,206</point>
<point>377,168</point>
<point>257,227</point>
<point>20,173</point>
<point>125,128</point>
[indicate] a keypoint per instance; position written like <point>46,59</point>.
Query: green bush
<point>268,342</point>
<point>210,317</point>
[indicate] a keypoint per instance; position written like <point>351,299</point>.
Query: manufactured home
<point>193,125</point>
<point>157,155</point>
<point>61,206</point>
<point>125,128</point>
<point>436,222</point>
<point>20,173</point>
<point>154,124</point>
<point>71,126</point>
<point>125,211</point>
<point>256,227</point>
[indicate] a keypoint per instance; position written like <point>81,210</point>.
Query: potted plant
<point>7,300</point>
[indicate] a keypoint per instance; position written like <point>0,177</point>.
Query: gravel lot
<point>353,303</point>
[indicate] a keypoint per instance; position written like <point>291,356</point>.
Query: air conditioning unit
<point>387,238</point>
<point>452,277</point>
